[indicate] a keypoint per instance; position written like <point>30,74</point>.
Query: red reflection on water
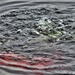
<point>36,63</point>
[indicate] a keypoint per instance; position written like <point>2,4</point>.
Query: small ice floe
<point>60,22</point>
<point>64,32</point>
<point>44,21</point>
<point>0,43</point>
<point>70,20</point>
<point>19,31</point>
<point>34,32</point>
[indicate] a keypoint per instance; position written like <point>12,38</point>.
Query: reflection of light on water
<point>36,63</point>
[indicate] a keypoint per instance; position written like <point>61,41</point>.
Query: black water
<point>22,15</point>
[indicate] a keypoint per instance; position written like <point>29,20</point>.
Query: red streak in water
<point>22,62</point>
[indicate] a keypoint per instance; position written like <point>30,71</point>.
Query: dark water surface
<point>34,54</point>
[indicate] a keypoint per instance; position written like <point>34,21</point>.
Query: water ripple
<point>22,53</point>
